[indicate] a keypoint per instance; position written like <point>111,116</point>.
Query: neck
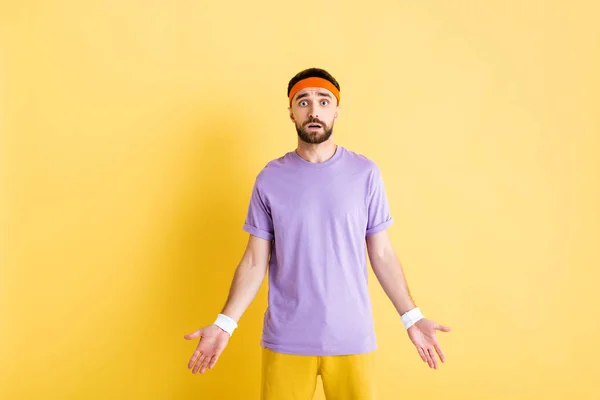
<point>316,153</point>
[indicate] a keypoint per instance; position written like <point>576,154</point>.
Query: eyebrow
<point>305,94</point>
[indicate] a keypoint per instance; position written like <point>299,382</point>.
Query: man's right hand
<point>212,343</point>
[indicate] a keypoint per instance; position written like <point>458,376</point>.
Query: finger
<point>216,356</point>
<point>429,360</point>
<point>194,358</point>
<point>219,350</point>
<point>209,362</point>
<point>428,356</point>
<point>199,363</point>
<point>440,353</point>
<point>442,328</point>
<point>433,359</point>
<point>422,354</point>
<point>205,364</point>
<point>193,335</point>
<point>213,361</point>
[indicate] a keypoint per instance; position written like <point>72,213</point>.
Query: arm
<point>248,277</point>
<point>388,270</point>
<point>247,280</point>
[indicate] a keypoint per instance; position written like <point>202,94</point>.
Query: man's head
<point>314,97</point>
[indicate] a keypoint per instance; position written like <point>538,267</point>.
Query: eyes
<point>304,103</point>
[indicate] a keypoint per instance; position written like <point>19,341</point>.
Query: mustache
<point>315,121</point>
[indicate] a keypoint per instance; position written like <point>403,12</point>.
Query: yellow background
<point>132,131</point>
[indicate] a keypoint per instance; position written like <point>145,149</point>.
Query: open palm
<point>422,334</point>
<point>212,343</point>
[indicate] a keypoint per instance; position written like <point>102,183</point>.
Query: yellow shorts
<point>294,377</point>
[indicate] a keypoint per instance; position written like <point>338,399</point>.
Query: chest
<point>329,198</point>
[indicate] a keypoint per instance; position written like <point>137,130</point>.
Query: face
<point>314,111</point>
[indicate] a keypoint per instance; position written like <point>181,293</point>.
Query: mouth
<point>314,126</point>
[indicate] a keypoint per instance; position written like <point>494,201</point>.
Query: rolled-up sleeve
<point>379,218</point>
<point>259,221</point>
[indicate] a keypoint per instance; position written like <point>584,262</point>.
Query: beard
<point>317,136</point>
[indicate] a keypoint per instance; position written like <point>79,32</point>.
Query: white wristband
<point>226,323</point>
<point>410,317</point>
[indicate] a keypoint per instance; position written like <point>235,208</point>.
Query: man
<point>312,212</point>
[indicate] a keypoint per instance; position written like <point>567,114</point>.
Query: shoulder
<point>273,169</point>
<point>367,168</point>
<point>362,161</point>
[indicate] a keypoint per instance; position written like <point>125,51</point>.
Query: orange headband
<point>314,82</point>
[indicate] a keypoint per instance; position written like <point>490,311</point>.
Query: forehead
<point>314,91</point>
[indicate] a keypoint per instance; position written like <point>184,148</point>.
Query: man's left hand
<point>422,334</point>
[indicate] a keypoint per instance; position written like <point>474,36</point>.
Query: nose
<point>313,112</point>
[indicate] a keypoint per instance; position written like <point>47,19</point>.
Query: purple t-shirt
<point>318,216</point>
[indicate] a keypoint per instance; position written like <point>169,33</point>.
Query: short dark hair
<point>310,73</point>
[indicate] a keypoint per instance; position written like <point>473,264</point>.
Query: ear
<point>291,114</point>
<point>337,113</point>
